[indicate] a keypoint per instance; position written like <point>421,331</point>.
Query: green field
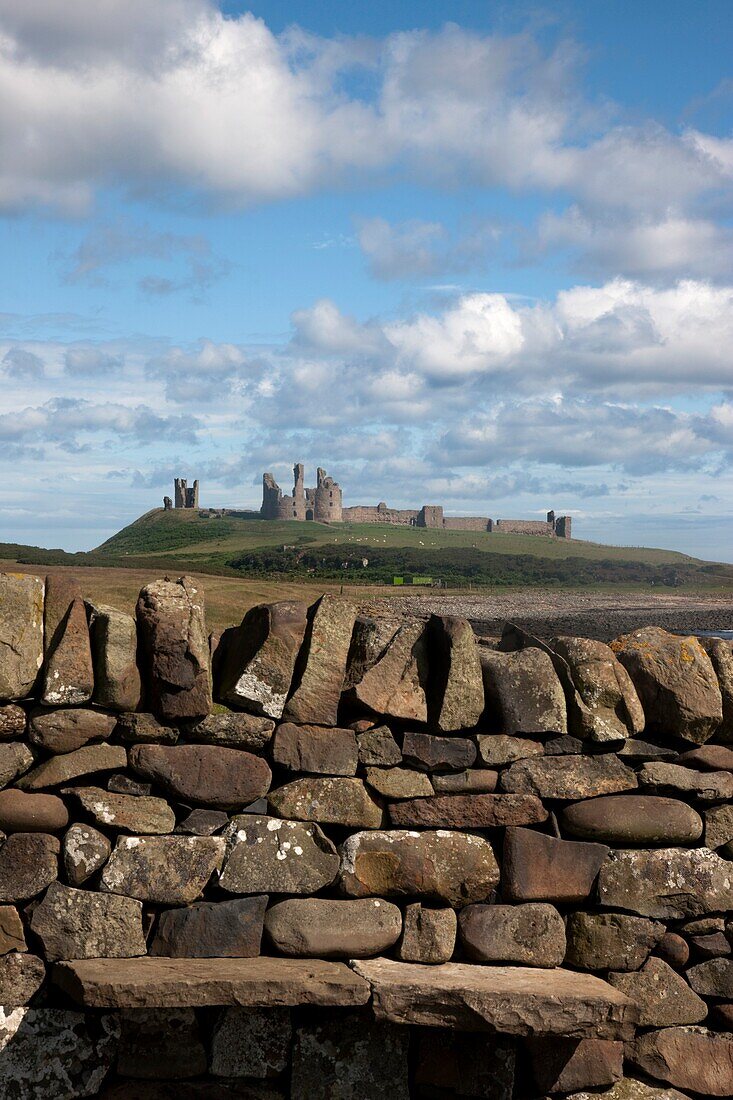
<point>242,545</point>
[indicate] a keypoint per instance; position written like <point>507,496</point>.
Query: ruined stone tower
<point>183,496</point>
<point>323,503</point>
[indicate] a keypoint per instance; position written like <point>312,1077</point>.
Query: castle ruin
<point>183,496</point>
<point>324,504</point>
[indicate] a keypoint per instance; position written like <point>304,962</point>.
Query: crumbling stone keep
<point>322,503</point>
<point>183,496</point>
<point>402,882</point>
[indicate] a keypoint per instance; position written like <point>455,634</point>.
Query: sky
<point>470,253</point>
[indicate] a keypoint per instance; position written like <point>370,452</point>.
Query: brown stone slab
<point>513,1000</point>
<point>155,982</point>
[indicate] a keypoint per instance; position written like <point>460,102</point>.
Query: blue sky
<point>474,254</point>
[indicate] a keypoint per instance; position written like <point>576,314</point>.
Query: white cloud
<point>422,248</point>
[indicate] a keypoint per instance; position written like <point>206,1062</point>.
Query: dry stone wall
<point>327,857</point>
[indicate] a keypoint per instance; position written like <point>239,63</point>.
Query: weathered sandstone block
<point>321,667</point>
<point>68,677</point>
<point>259,657</point>
<point>497,749</point>
<point>12,937</point>
<point>610,941</point>
<point>428,935</point>
<point>470,781</point>
<point>162,870</point>
<point>399,782</point>
<point>675,681</point>
<point>396,684</point>
<point>251,1042</point>
<point>455,868</point>
<point>523,691</point>
<point>663,997</point>
<point>21,633</point>
<point>708,758</point>
<point>378,747</point>
<point>628,820</point>
<point>31,813</point>
<point>670,883</point>
<point>233,729</point>
<point>532,934</point>
<point>211,929</point>
<point>457,691</point>
<point>34,1053</point>
<point>143,728</point>
<point>569,777</point>
<point>721,657</point>
<point>349,1056</point>
<point>536,867</point>
<point>123,812</point>
<point>330,801</point>
<point>320,928</point>
<point>266,855</point>
<point>12,722</point>
<point>204,775</point>
<point>705,786</point>
<point>28,863</point>
<point>687,1057</point>
<point>438,754</point>
<point>83,924</point>
<point>604,686</point>
<point>174,648</point>
<point>15,759</point>
<point>85,851</point>
<point>21,976</point>
<point>468,811</point>
<point>68,766</point>
<point>66,729</point>
<point>713,978</point>
<point>315,749</point>
<point>718,826</point>
<point>559,1065</point>
<point>117,682</point>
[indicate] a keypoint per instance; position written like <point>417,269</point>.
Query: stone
<point>151,982</point>
<point>536,867</point>
<point>52,1053</point>
<point>508,999</point>
<point>604,686</point>
<point>712,946</point>
<point>713,978</point>
<point>211,929</point>
<point>85,851</point>
<point>468,811</point>
<point>21,634</point>
<point>144,728</point>
<point>117,682</point>
<point>523,692</point>
<point>61,770</point>
<point>83,924</point>
<point>610,941</point>
<point>204,775</point>
<point>162,870</point>
<point>461,1064</point>
<point>708,758</point>
<point>330,801</point>
<point>721,658</point>
<point>174,653</point>
<point>378,747</point>
<point>15,759</point>
<point>532,934</point>
<point>259,657</point>
<point>315,749</point>
<point>673,949</point>
<point>348,1057</point>
<point>12,936</point>
<point>675,682</point>
<point>456,698</point>
<point>497,749</point>
<point>399,782</point>
<point>63,729</point>
<point>233,729</point>
<point>686,1057</point>
<point>635,751</point>
<point>124,813</point>
<point>721,1017</point>
<point>31,813</point>
<point>704,786</point>
<point>569,778</point>
<point>631,820</point>
<point>12,722</point>
<point>21,976</point>
<point>428,935</point>
<point>324,929</point>
<point>449,867</point>
<point>369,640</point>
<point>268,856</point>
<point>662,996</point>
<point>631,1088</point>
<point>28,863</point>
<point>203,822</point>
<point>320,670</point>
<point>564,746</point>
<point>718,826</point>
<point>396,684</point>
<point>670,883</point>
<point>470,781</point>
<point>438,754</point>
<point>251,1042</point>
<point>160,1043</point>
<point>61,590</point>
<point>125,784</point>
<point>68,677</point>
<point>559,1065</point>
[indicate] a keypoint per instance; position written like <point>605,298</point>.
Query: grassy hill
<point>242,545</point>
